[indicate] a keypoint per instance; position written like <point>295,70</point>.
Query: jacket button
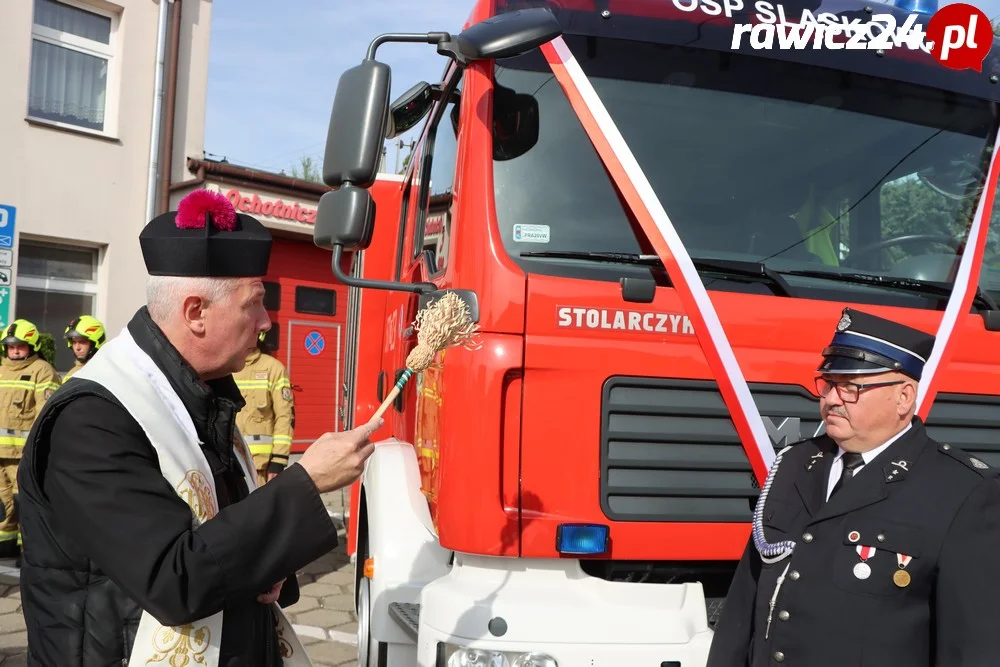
<point>807,538</point>
<point>779,656</point>
<point>783,615</point>
<point>794,575</point>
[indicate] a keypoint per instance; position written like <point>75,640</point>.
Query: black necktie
<point>851,462</point>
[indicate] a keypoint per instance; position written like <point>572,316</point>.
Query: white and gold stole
<point>125,370</point>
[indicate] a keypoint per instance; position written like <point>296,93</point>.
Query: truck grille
<point>669,451</point>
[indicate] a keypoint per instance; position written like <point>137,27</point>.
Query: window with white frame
<point>72,59</point>
<point>55,283</point>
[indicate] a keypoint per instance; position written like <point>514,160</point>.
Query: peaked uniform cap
<point>205,238</point>
<point>865,344</point>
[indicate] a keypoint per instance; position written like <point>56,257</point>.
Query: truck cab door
<point>424,258</point>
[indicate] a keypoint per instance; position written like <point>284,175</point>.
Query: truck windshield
<point>801,168</point>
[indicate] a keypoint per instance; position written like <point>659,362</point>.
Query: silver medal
<point>862,571</point>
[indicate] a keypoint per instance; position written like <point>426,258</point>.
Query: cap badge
<point>844,322</point>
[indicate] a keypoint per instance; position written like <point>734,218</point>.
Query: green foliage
<point>47,347</point>
<point>307,170</point>
<point>910,207</point>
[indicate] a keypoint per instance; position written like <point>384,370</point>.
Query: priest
<point>146,539</point>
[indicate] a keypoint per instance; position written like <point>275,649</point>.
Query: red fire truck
<point>656,227</point>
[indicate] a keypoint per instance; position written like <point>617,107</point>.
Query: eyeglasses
<point>849,391</point>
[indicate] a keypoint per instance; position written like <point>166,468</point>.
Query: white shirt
<point>838,462</point>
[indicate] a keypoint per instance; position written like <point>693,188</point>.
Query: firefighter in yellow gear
<point>26,382</point>
<point>268,418</point>
<point>85,335</point>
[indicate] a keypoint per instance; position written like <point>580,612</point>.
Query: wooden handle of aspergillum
<point>398,387</point>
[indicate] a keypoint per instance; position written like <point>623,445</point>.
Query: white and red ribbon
<point>866,552</point>
<point>641,198</point>
<point>963,291</point>
<point>648,210</point>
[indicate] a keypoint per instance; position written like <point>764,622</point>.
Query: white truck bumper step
<point>407,615</point>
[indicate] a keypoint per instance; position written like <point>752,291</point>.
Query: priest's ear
<point>194,314</point>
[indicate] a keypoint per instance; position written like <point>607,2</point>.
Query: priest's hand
<point>271,596</point>
<point>336,460</point>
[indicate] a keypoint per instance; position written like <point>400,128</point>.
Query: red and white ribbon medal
<point>901,577</point>
<point>863,570</point>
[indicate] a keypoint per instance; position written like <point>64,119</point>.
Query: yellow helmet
<point>88,328</point>
<point>21,331</point>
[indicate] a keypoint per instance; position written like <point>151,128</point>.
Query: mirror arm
<point>416,288</point>
<point>426,38</point>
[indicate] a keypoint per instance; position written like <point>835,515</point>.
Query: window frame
<point>90,287</point>
<point>452,82</point>
<point>109,52</point>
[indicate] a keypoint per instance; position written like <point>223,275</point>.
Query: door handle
<point>380,386</point>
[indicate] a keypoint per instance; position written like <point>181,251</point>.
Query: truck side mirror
<point>345,217</point>
<point>515,123</point>
<point>504,35</point>
<point>345,220</point>
<point>357,125</point>
<point>409,108</point>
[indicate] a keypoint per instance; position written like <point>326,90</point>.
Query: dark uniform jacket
<point>105,535</point>
<point>918,498</point>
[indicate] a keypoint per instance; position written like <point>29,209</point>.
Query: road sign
<point>314,343</point>
<point>5,277</point>
<point>6,257</point>
<point>8,220</point>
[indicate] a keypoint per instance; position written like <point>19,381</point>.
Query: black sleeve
<point>731,641</point>
<point>289,594</point>
<point>109,496</point>
<point>967,591</point>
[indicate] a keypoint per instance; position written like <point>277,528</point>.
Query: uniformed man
<point>146,538</point>
<point>85,336</point>
<point>26,382</point>
<point>267,419</point>
<point>872,544</point>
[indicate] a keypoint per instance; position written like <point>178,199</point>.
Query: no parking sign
<point>314,343</point>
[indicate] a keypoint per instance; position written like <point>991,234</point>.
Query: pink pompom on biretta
<point>192,209</point>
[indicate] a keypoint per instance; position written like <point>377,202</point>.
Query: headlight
<point>478,657</point>
<point>534,660</point>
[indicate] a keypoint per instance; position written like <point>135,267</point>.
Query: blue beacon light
<point>582,539</point>
<point>927,7</point>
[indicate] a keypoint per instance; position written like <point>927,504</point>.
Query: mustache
<point>840,412</point>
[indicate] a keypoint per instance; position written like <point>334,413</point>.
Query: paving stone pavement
<point>324,616</point>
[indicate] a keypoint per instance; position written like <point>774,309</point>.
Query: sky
<point>274,67</point>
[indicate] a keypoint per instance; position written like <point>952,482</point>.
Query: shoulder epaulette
<point>968,460</point>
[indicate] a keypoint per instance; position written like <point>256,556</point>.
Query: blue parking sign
<point>8,218</point>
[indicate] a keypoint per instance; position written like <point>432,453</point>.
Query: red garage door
<point>314,353</point>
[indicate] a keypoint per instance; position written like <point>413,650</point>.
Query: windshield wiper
<point>911,284</point>
<point>749,271</point>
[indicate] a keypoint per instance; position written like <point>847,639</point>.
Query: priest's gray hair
<point>165,294</point>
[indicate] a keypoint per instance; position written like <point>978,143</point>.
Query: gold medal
<point>901,577</point>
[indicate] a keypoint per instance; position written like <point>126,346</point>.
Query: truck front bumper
<point>552,609</point>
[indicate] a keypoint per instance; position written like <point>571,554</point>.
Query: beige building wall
<point>81,194</point>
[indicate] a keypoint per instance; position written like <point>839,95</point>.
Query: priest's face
<point>233,324</point>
